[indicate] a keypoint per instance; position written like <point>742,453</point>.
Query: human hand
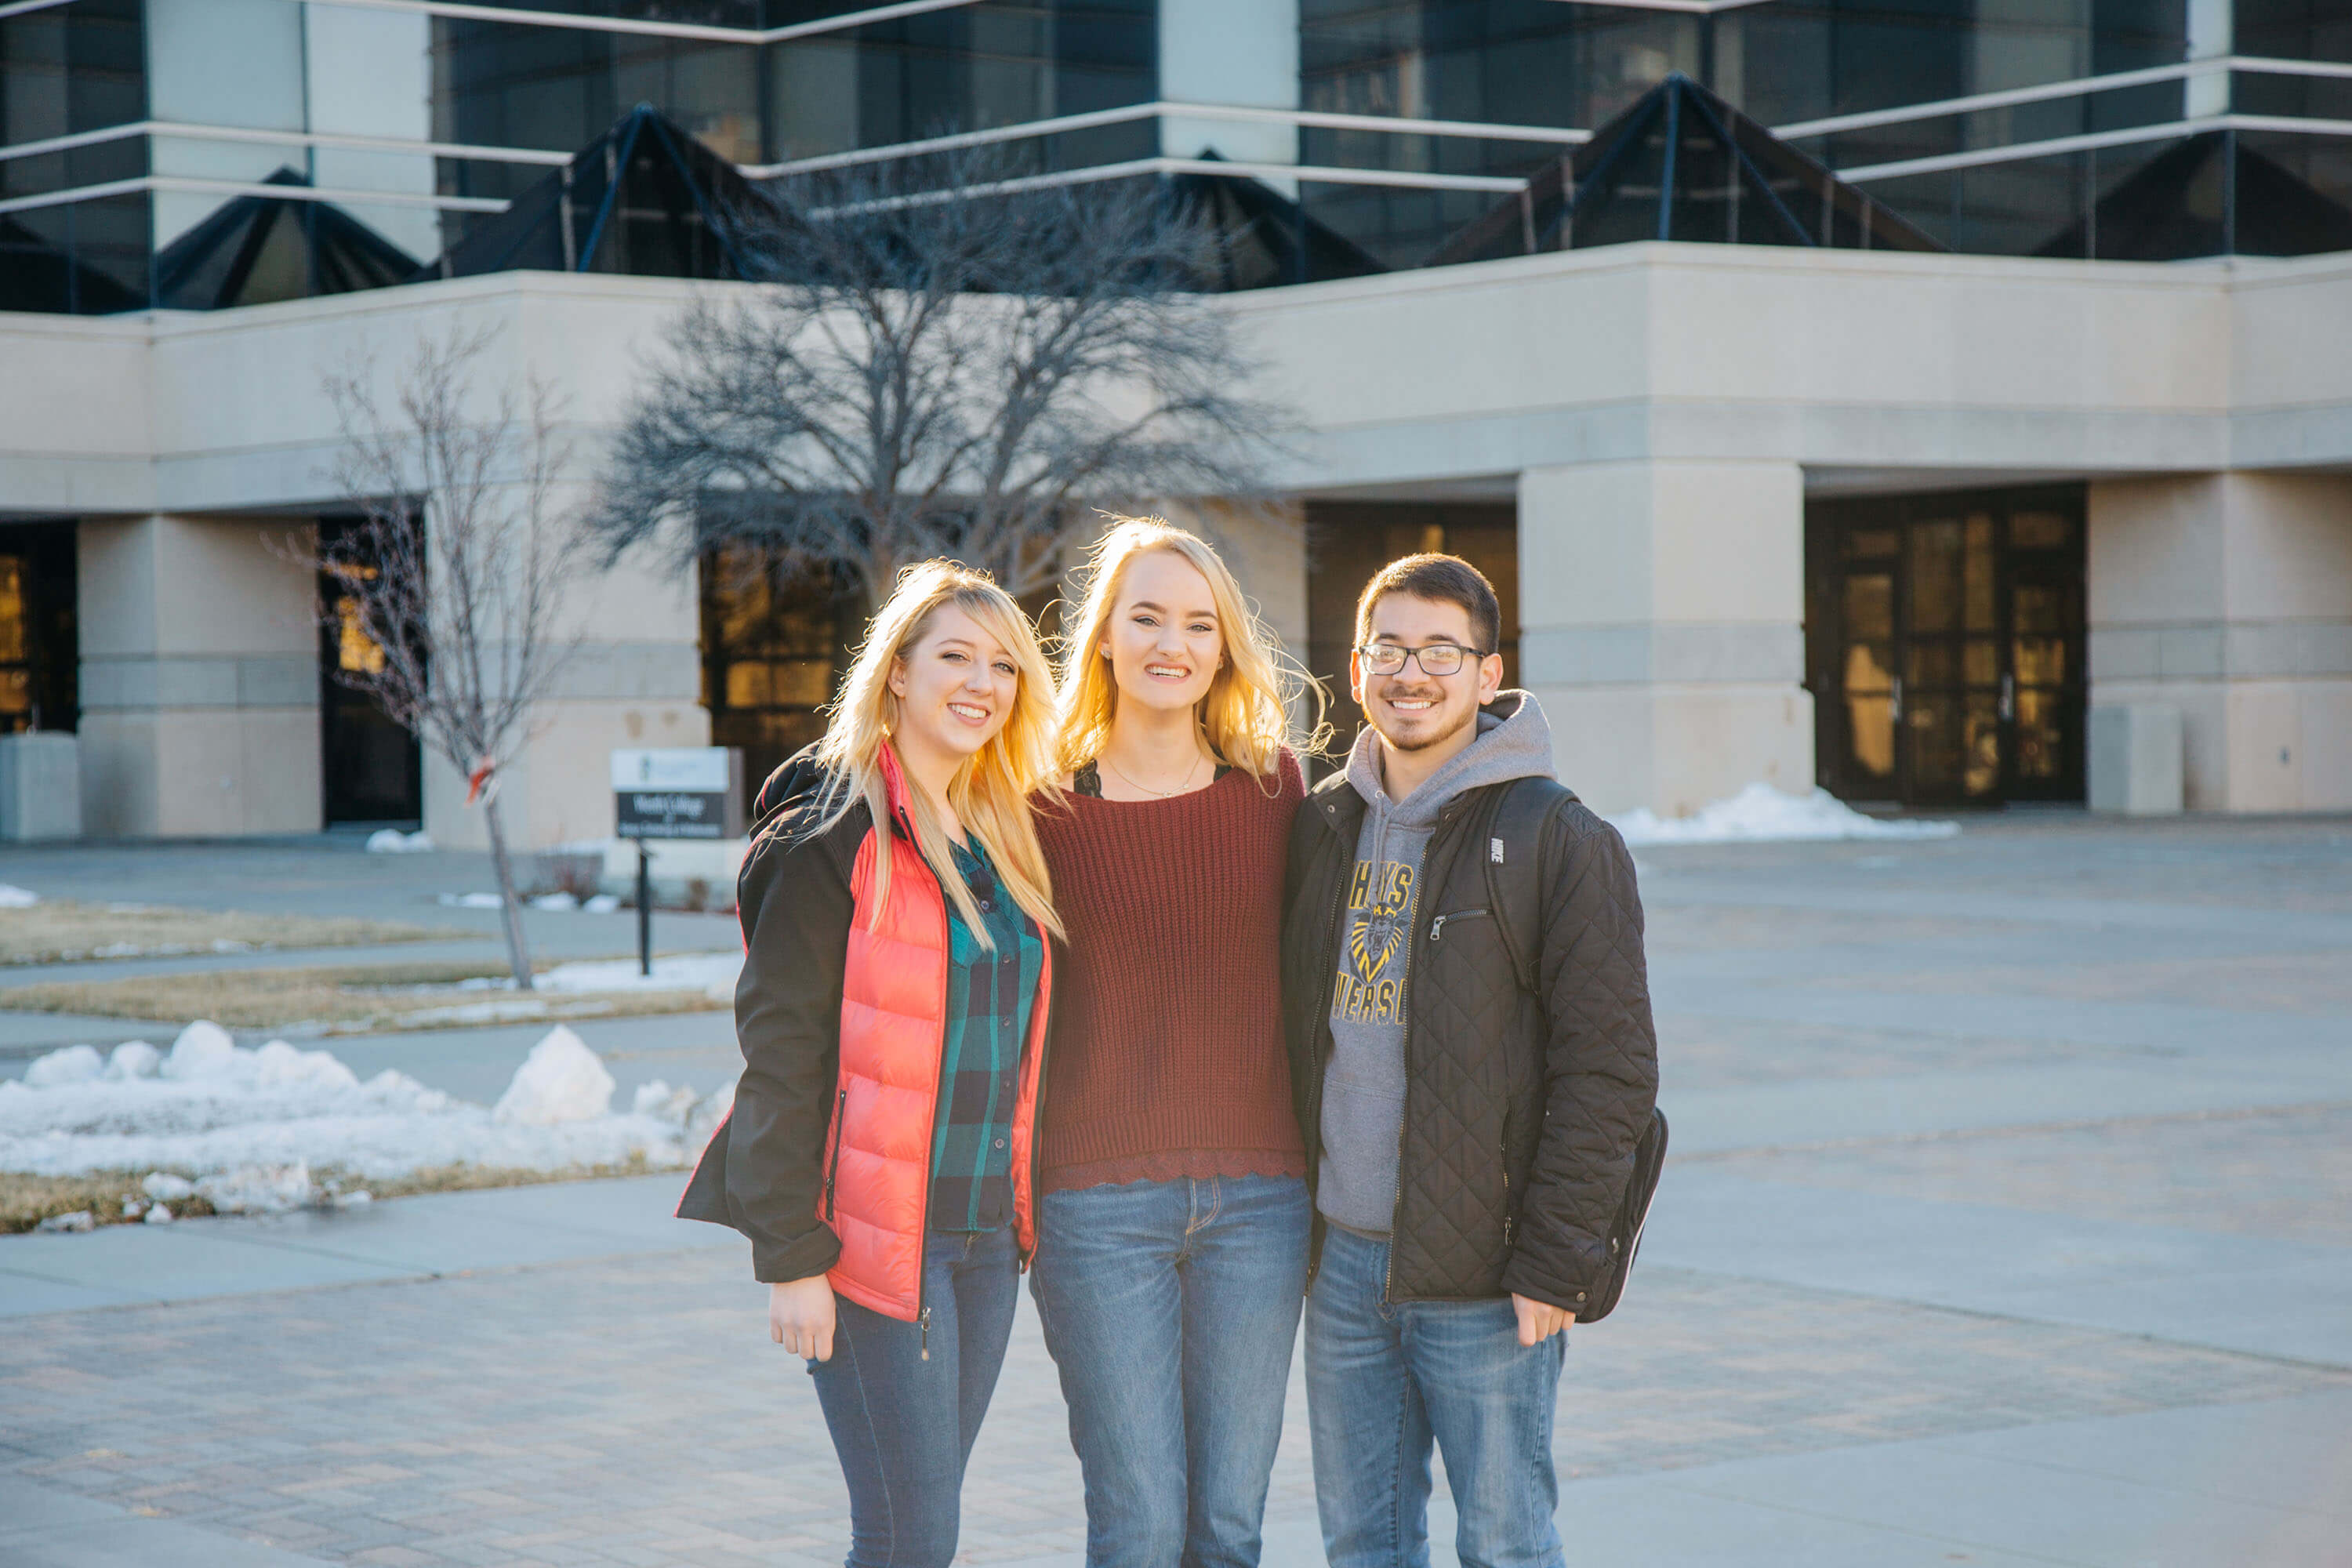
<point>1539,1320</point>
<point>799,1316</point>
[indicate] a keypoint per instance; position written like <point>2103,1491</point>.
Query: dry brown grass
<point>66,931</point>
<point>364,1000</point>
<point>26,1201</point>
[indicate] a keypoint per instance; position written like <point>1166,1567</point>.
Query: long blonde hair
<point>1248,716</point>
<point>990,791</point>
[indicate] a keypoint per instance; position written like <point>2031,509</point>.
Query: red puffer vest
<point>893,1003</point>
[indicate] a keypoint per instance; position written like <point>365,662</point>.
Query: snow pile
<point>472,901</point>
<point>560,1081</point>
<point>16,898</point>
<point>1761,813</point>
<point>392,841</point>
<point>75,1064</point>
<point>255,1121</point>
<point>713,973</point>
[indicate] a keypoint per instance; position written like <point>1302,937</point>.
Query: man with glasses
<point>1467,1139</point>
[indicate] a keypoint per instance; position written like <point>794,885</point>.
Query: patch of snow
<point>659,1099</point>
<point>250,1120</point>
<point>203,1050</point>
<point>159,1214</point>
<point>713,973</point>
<point>472,901</point>
<point>560,1081</point>
<point>258,1189</point>
<point>134,1058</point>
<point>601,904</point>
<point>14,898</point>
<point>1761,813</point>
<point>74,1064</point>
<point>80,1220</point>
<point>555,902</point>
<point>392,841</point>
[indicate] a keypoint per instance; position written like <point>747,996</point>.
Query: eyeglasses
<point>1437,659</point>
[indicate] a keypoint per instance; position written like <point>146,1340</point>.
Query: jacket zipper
<point>840,1136</point>
<point>1404,1002</point>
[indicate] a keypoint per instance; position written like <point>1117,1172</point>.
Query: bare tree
<point>944,359</point>
<point>456,569</point>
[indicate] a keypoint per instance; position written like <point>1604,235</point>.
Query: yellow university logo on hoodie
<point>1370,984</point>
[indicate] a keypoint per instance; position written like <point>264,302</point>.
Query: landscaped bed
<point>62,931</point>
<point>377,998</point>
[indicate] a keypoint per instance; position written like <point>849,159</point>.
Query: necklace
<point>1158,794</point>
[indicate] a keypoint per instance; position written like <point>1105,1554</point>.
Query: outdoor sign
<point>678,792</point>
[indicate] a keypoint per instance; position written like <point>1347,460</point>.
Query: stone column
<point>199,677</point>
<point>1661,611</point>
<point>2230,596</point>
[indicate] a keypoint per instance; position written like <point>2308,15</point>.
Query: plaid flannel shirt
<point>989,999</point>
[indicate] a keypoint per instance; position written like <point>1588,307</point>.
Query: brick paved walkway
<point>631,1411</point>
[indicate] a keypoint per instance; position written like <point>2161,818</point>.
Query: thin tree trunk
<point>510,906</point>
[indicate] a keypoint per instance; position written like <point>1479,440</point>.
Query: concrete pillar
<point>2230,596</point>
<point>1661,625</point>
<point>636,680</point>
<point>199,677</point>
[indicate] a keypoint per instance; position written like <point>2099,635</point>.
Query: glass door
<point>2044,692</point>
<point>1944,643</point>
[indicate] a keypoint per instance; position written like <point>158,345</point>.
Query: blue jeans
<point>1170,1308</point>
<point>904,1425</point>
<point>1385,1379</point>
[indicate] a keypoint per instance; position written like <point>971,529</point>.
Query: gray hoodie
<point>1363,1092</point>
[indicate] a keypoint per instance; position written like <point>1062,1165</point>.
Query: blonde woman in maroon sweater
<point>1173,1218</point>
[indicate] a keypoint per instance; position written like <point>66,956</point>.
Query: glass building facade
<point>2129,129</point>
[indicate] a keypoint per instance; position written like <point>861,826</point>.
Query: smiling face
<point>1163,640</point>
<point>1414,709</point>
<point>955,684</point>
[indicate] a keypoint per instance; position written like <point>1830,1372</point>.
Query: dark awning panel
<point>2177,205</point>
<point>1265,238</point>
<point>1680,163</point>
<point>256,248</point>
<point>645,199</point>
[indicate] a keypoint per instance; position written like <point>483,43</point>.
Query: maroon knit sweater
<point>1168,1056</point>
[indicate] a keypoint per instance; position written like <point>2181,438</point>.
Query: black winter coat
<point>1521,1111</point>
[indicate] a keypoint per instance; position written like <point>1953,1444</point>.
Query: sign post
<point>676,793</point>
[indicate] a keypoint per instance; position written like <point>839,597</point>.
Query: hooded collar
<point>1514,740</point>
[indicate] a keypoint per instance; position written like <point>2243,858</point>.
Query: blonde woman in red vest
<point>1172,1227</point>
<point>892,1013</point>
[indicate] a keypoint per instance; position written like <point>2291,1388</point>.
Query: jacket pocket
<point>1437,926</point>
<point>833,1160</point>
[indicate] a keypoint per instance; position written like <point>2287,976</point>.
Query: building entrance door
<point>373,769</point>
<point>1944,647</point>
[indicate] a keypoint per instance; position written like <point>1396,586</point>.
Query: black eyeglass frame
<point>1470,656</point>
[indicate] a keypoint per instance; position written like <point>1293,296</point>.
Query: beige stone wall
<point>199,678</point>
<point>1657,408</point>
<point>2230,596</point>
<point>1661,611</point>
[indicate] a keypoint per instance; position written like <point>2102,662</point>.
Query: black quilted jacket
<point>1522,1112</point>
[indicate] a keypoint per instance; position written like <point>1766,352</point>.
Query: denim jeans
<point>1170,1308</point>
<point>903,1425</point>
<point>1385,1379</point>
